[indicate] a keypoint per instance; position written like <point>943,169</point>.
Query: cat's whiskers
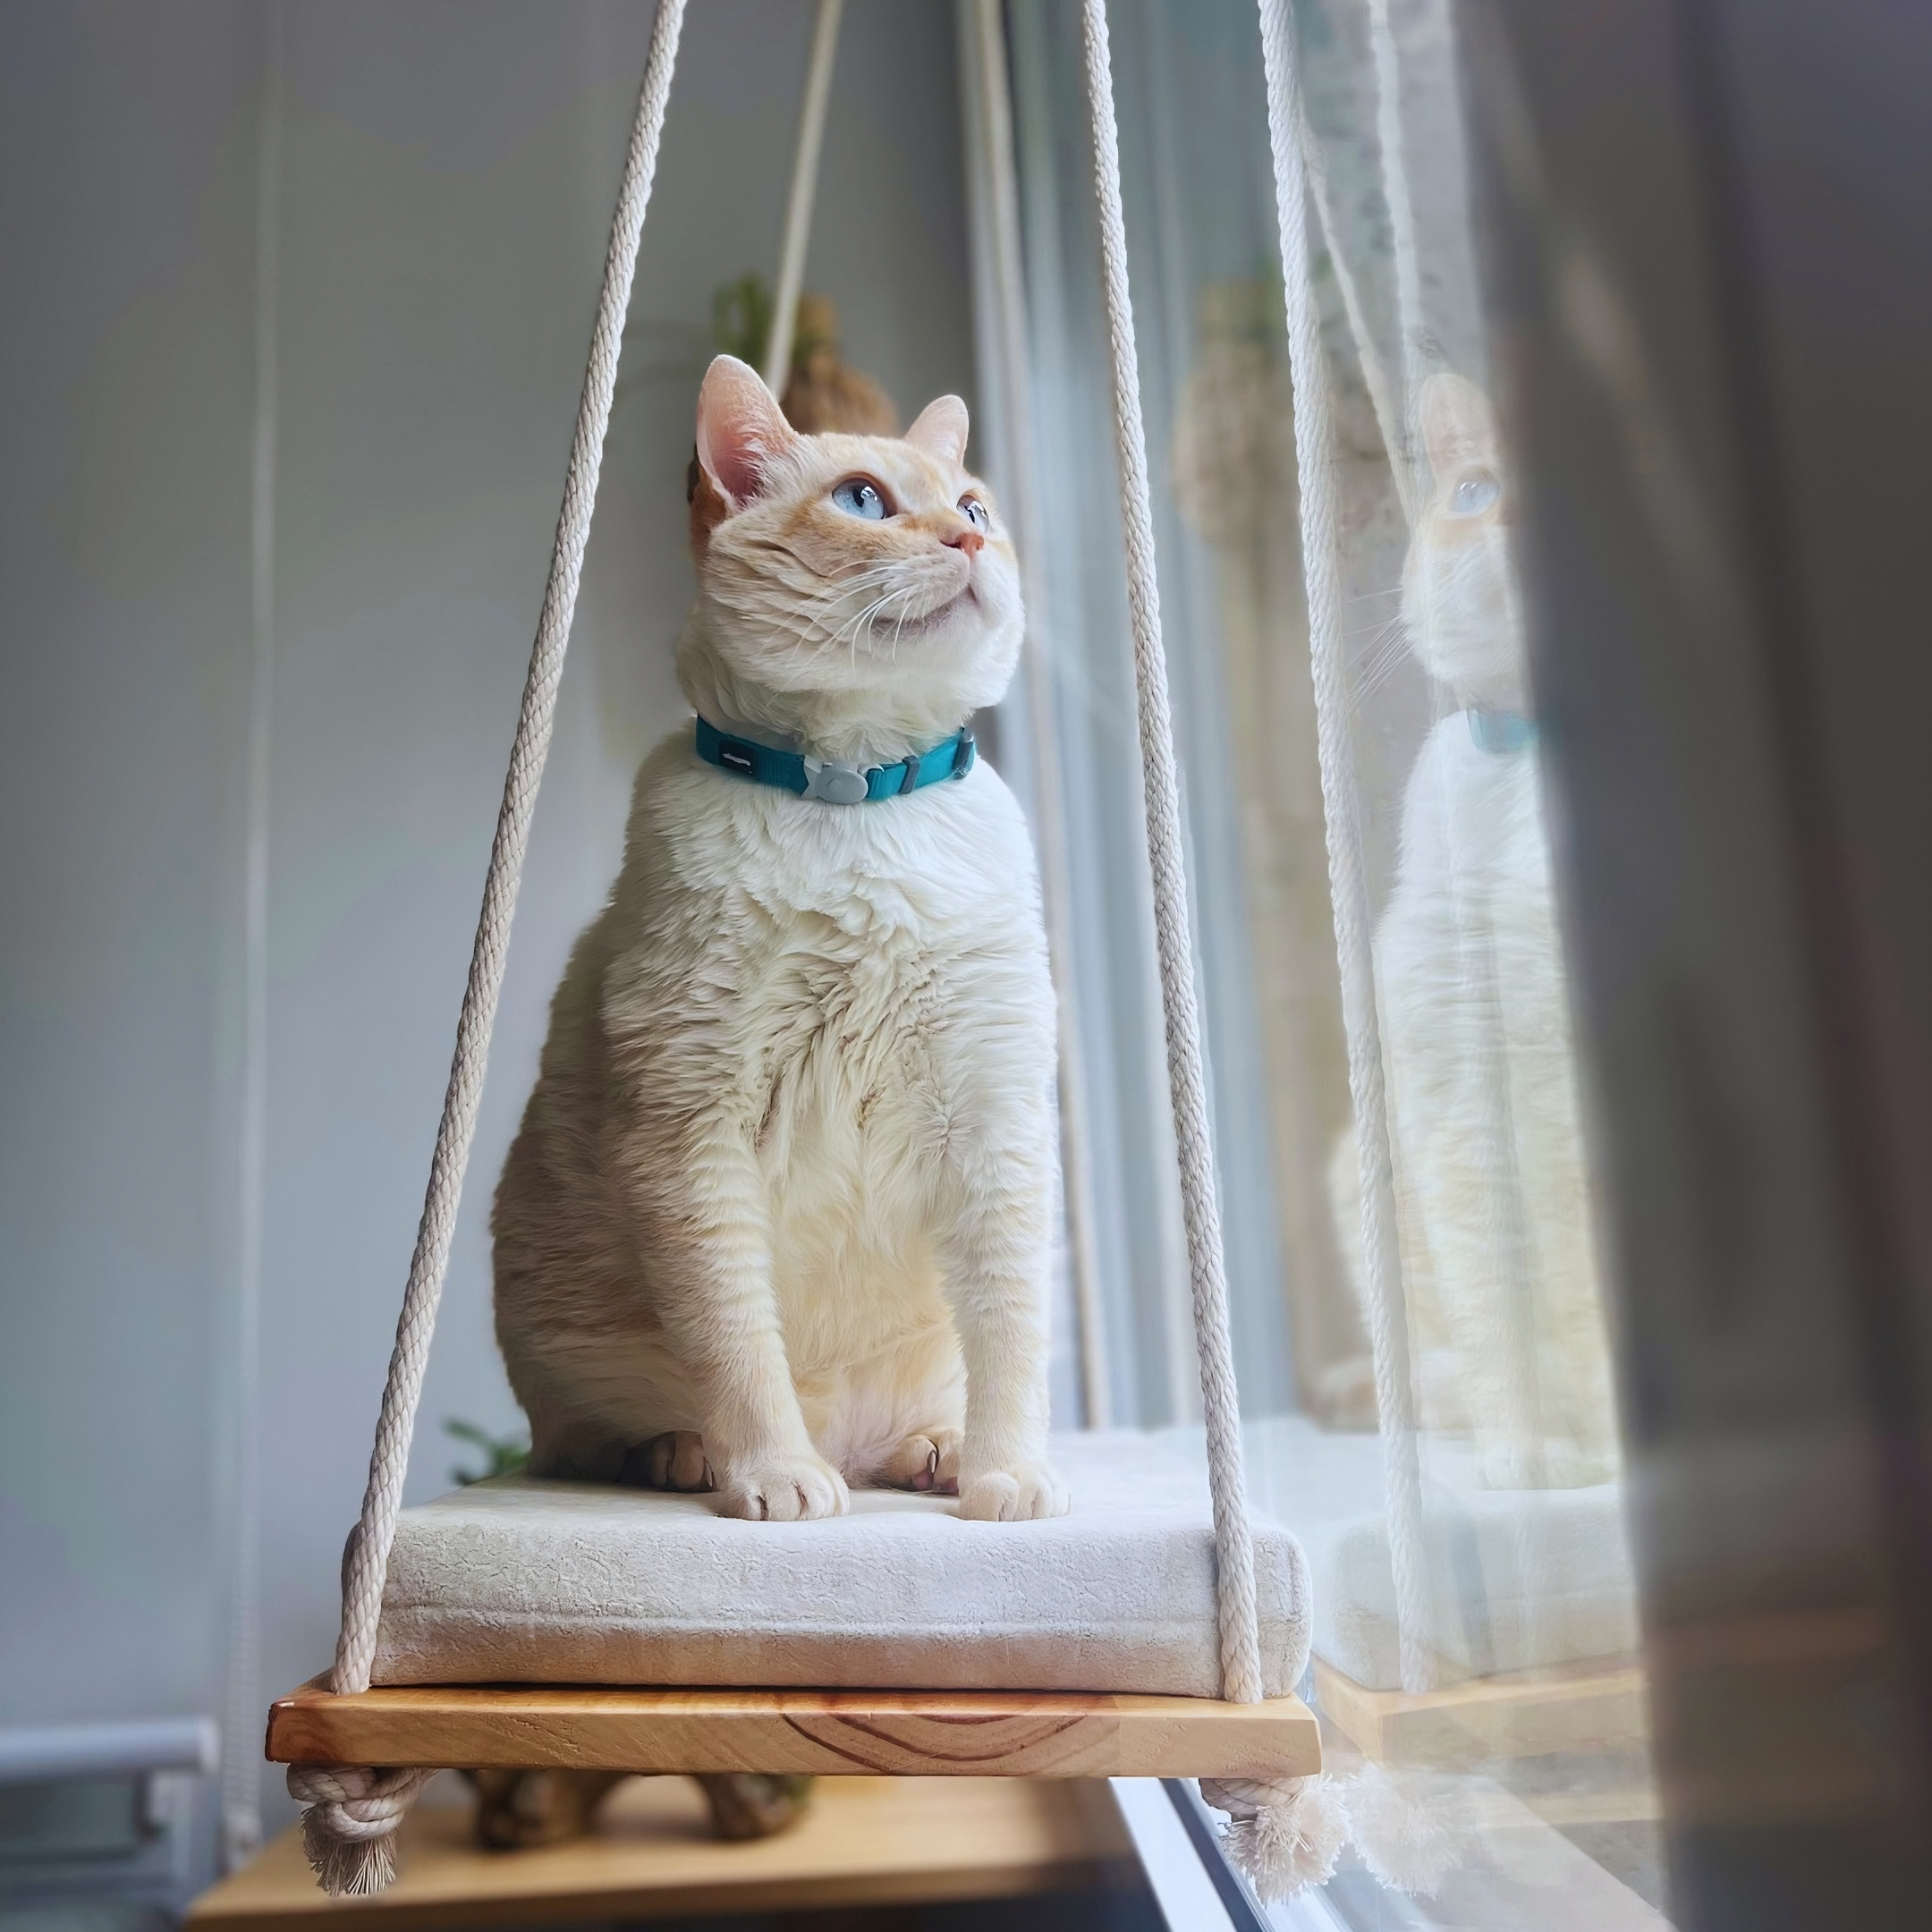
<point>860,585</point>
<point>1378,660</point>
<point>818,633</point>
<point>863,619</point>
<point>907,590</point>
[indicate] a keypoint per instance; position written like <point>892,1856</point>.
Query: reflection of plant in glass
<point>503,1456</point>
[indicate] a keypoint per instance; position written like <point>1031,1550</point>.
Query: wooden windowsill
<point>864,1840</point>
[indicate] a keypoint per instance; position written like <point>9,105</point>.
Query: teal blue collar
<point>1500,731</point>
<point>835,784</point>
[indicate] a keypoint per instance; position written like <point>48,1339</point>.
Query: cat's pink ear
<point>940,430</point>
<point>1458,424</point>
<point>740,429</point>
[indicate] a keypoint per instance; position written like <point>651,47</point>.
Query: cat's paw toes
<point>673,1461</point>
<point>795,1489</point>
<point>1550,1463</point>
<point>1023,1493</point>
<point>929,1460</point>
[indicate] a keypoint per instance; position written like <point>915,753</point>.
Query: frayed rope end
<point>1412,1828</point>
<point>1282,1835</point>
<point>349,1827</point>
<point>347,1868</point>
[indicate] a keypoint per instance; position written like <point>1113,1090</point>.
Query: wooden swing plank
<point>901,1733</point>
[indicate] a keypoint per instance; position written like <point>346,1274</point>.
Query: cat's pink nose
<point>967,539</point>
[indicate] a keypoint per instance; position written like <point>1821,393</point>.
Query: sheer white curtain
<point>1526,1604</point>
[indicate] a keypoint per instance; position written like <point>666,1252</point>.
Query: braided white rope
<point>1240,1649</point>
<point>1410,345</point>
<point>1321,565</point>
<point>350,1850</point>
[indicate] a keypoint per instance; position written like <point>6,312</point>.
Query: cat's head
<point>855,593</point>
<point>1459,605</point>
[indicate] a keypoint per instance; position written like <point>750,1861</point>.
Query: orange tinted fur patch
<point>709,509</point>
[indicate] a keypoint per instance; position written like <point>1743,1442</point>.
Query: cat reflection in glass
<point>1506,1316</point>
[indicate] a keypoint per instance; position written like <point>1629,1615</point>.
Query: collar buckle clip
<point>838,784</point>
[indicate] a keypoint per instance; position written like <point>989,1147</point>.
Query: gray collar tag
<point>838,784</point>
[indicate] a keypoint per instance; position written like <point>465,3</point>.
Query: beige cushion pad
<point>521,1580</point>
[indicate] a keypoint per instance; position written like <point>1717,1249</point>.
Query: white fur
<point>1498,1254</point>
<point>787,1179</point>
<point>1484,1110</point>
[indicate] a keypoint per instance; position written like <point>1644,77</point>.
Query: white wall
<point>125,232</point>
<point>445,190</point>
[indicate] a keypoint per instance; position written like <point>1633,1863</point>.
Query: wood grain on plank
<point>862,1842</point>
<point>952,1733</point>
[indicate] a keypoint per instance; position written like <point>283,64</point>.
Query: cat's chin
<point>882,643</point>
<point>928,621</point>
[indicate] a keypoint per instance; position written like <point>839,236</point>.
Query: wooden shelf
<point>1524,1714</point>
<point>862,1842</point>
<point>931,1733</point>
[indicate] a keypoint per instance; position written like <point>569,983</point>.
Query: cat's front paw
<point>1021,1494</point>
<point>790,1488</point>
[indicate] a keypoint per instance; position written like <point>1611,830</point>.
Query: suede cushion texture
<point>529,1581</point>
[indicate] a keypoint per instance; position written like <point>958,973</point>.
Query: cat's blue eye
<point>857,496</point>
<point>975,512</point>
<point>1473,493</point>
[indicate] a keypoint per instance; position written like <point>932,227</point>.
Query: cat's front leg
<point>998,1257</point>
<point>705,1234</point>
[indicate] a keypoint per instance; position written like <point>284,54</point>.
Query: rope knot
<point>352,1813</point>
<point>1284,1834</point>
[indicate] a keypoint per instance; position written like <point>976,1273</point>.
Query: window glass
<point>1439,1432</point>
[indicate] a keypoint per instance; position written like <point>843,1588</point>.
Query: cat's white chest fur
<point>893,1015</point>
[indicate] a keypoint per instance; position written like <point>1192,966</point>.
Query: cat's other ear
<point>741,430</point>
<point>1458,424</point>
<point>940,430</point>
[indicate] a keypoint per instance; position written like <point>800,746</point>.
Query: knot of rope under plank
<point>1283,1832</point>
<point>351,1821</point>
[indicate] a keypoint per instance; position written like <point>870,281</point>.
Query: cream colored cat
<point>1507,1318</point>
<point>779,1213</point>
